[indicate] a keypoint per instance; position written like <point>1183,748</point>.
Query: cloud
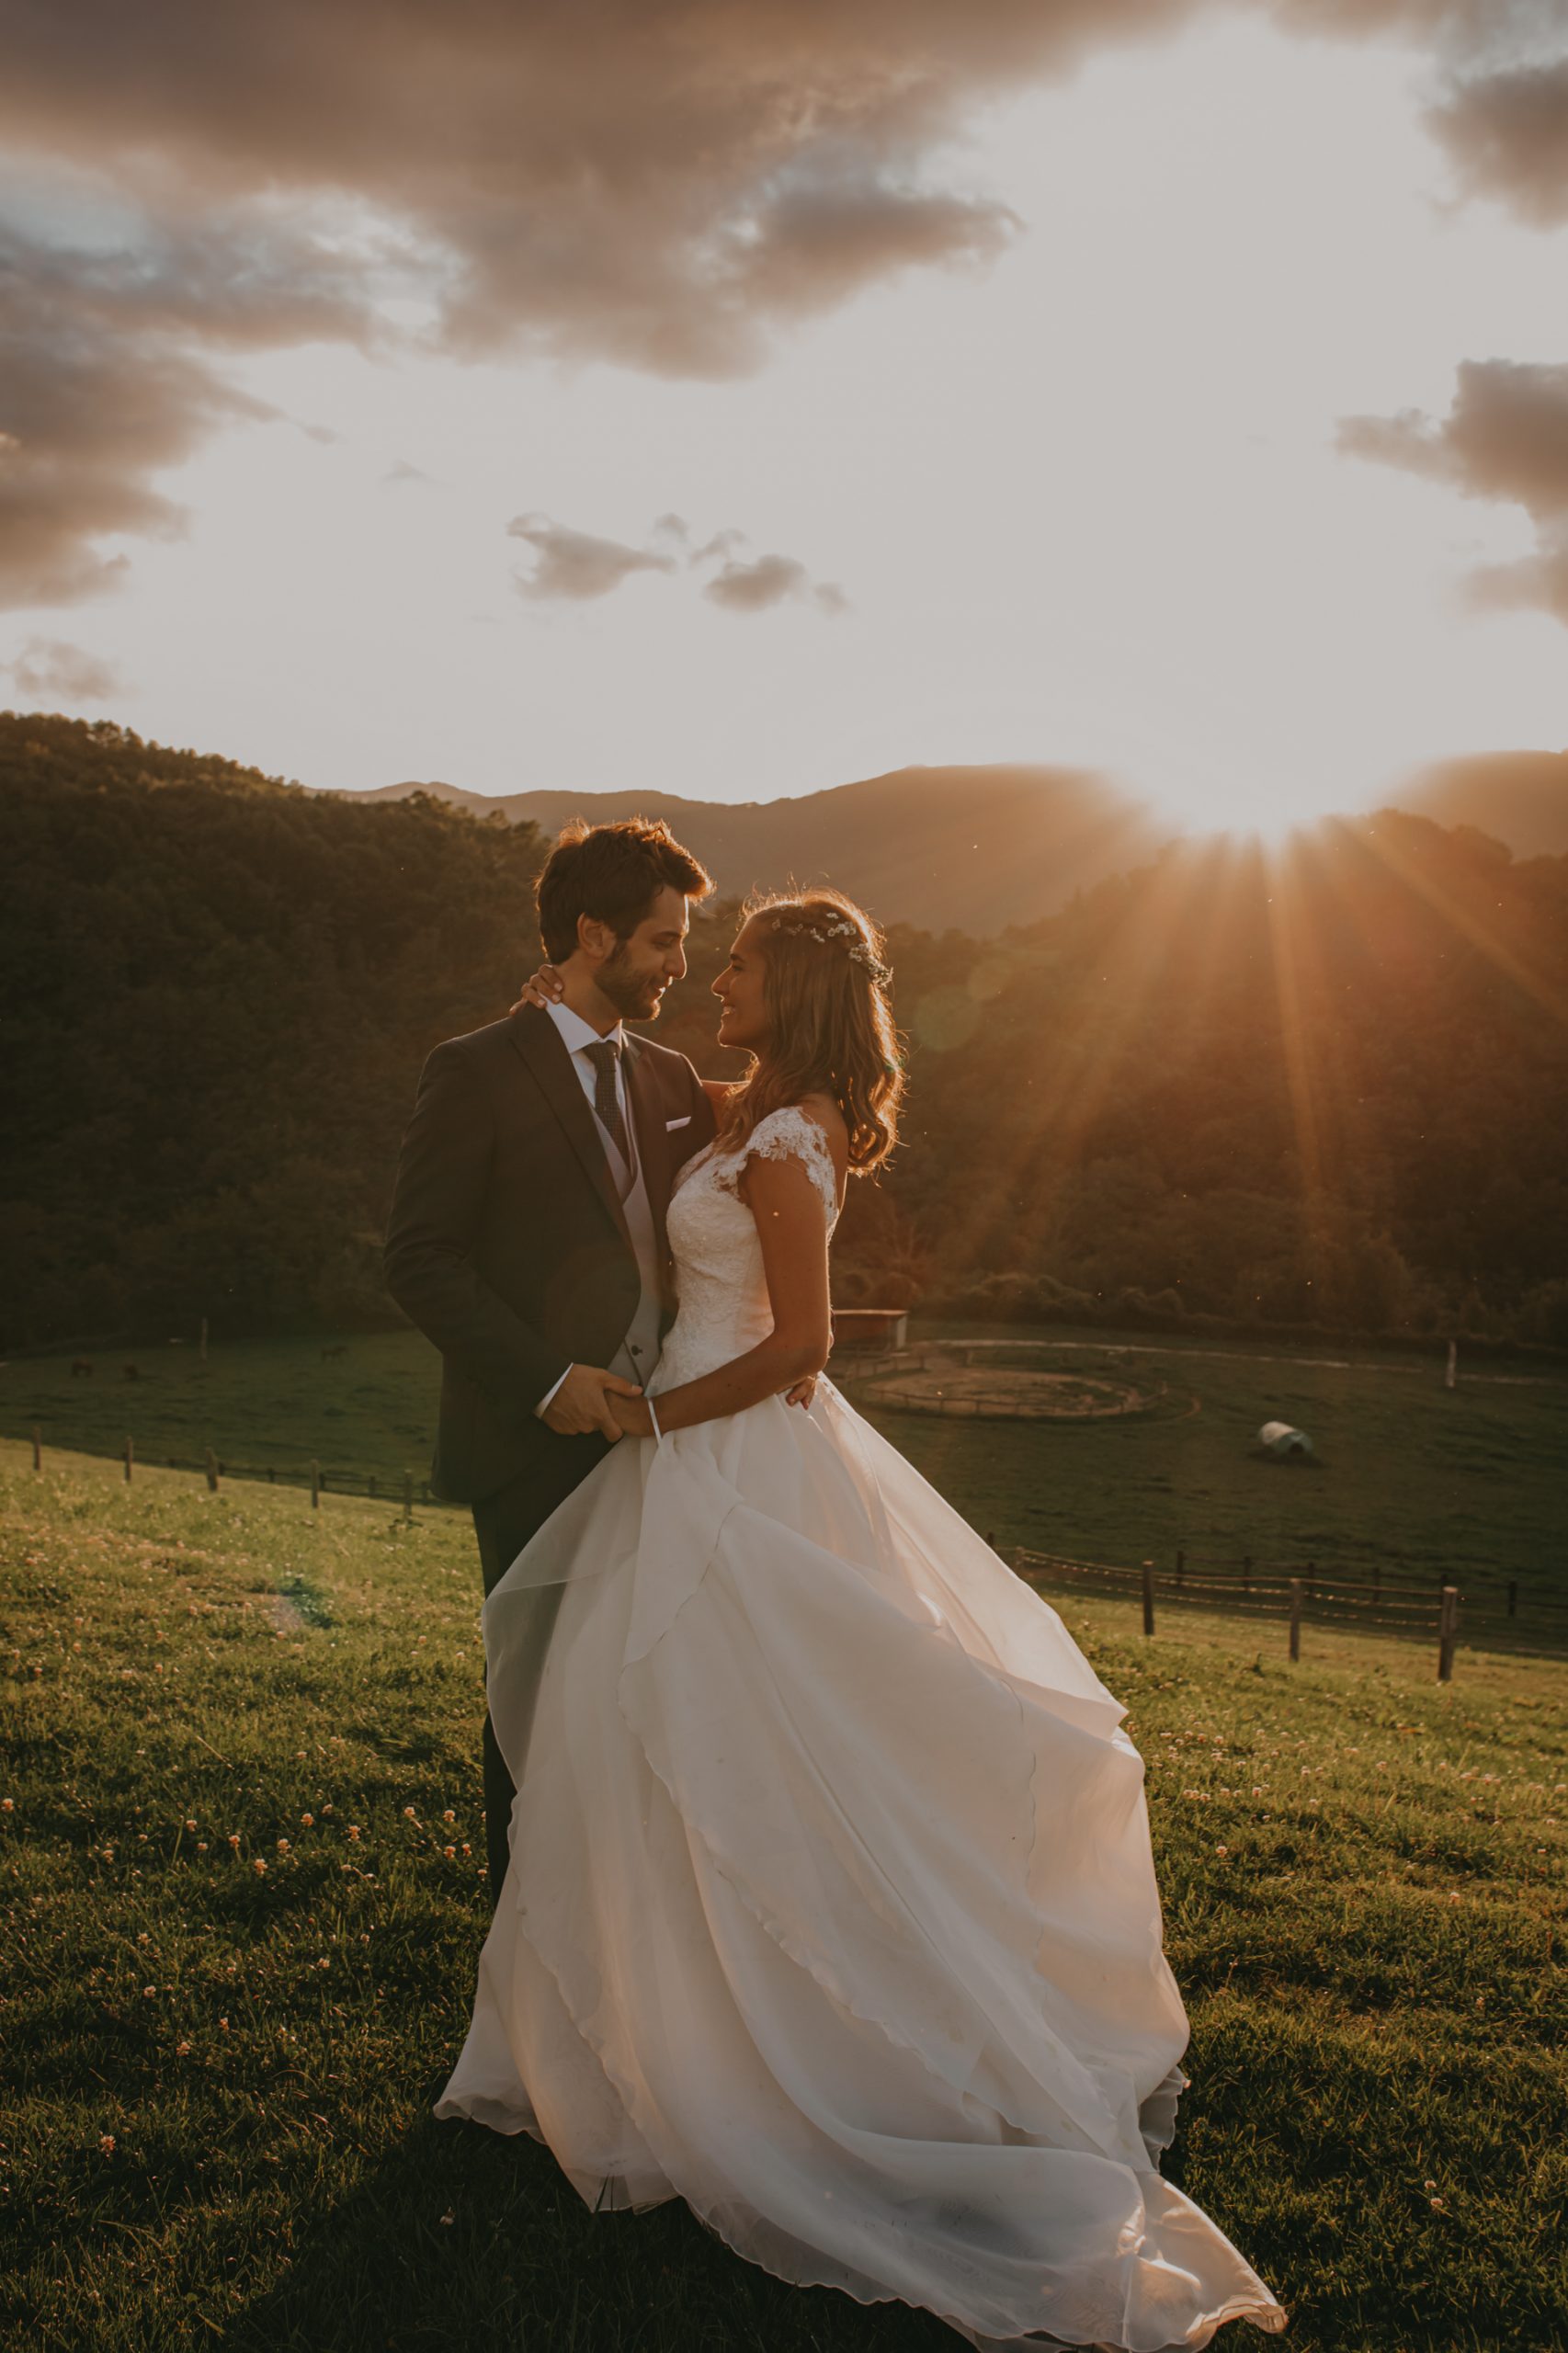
<point>576,566</point>
<point>664,184</point>
<point>401,470</point>
<point>1504,438</point>
<point>50,667</point>
<point>741,587</point>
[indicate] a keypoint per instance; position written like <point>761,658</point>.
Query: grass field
<point>1464,1486</point>
<point>240,1855</point>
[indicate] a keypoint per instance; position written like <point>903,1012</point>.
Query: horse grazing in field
<point>81,1369</point>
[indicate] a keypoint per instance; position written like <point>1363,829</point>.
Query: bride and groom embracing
<point>825,1898</point>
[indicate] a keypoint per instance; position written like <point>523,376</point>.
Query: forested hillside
<point>1326,1090</point>
<point>216,992</point>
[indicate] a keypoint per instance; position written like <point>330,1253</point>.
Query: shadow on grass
<point>461,2240</point>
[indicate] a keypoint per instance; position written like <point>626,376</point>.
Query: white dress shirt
<point>578,1034</point>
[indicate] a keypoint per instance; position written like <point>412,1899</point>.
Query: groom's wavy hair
<point>612,874</point>
<point>824,985</point>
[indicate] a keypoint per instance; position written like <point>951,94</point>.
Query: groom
<point>527,1237</point>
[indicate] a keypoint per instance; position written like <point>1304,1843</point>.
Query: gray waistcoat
<point>638,1352</point>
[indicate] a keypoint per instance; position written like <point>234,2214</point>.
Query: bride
<point>830,1907</point>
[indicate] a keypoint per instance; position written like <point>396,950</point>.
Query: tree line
<point>1326,1089</point>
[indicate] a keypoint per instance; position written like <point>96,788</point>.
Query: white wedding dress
<point>831,1906</point>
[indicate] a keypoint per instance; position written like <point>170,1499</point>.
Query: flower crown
<point>824,931</point>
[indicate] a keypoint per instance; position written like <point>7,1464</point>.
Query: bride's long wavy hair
<point>830,1025</point>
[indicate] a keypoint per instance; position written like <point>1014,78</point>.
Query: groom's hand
<point>579,1404</point>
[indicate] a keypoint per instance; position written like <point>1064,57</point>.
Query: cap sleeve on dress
<point>790,1134</point>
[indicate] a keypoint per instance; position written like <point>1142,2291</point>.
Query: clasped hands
<point>589,1399</point>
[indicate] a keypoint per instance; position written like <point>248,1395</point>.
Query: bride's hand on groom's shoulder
<point>541,988</point>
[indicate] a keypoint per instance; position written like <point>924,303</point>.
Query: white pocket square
<point>677,1123</point>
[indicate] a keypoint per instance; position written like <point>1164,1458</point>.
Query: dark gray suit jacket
<point>507,1244</point>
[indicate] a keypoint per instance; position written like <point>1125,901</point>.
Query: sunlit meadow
<point>241,1857</point>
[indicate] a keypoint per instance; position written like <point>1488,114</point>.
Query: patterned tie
<point>606,1100</point>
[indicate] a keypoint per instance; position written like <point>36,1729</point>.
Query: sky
<point>735,400</point>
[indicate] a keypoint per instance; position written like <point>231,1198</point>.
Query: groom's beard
<point>635,995</point>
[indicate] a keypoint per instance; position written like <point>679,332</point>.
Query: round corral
<point>1004,1382</point>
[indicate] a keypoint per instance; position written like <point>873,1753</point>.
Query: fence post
<point>211,1472</point>
<point>1448,1627</point>
<point>1451,1374</point>
<point>130,1459</point>
<point>38,1447</point>
<point>1181,1569</point>
<point>1246,1573</point>
<point>1295,1618</point>
<point>1512,1597</point>
<point>408,1498</point>
<point>1311,1580</point>
<point>370,1485</point>
<point>1148,1596</point>
<point>271,1474</point>
<point>1377,1576</point>
<point>203,1340</point>
<point>315,1484</point>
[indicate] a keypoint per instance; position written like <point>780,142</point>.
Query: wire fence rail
<point>1407,1608</point>
<point>318,1478</point>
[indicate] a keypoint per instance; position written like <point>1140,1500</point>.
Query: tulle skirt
<point>830,1908</point>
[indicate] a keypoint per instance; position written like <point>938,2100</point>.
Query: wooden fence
<point>1298,1595</point>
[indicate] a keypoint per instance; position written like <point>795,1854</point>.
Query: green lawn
<point>240,1849</point>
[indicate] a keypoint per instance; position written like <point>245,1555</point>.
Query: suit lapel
<point>544,1051</point>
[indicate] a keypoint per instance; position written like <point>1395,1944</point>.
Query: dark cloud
<point>49,667</point>
<point>575,565</point>
<point>103,379</point>
<point>743,587</point>
<point>658,182</point>
<point>1504,438</point>
<point>1507,134</point>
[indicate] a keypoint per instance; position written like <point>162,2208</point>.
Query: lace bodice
<point>725,1307</point>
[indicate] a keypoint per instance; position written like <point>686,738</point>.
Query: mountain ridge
<point>982,847</point>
